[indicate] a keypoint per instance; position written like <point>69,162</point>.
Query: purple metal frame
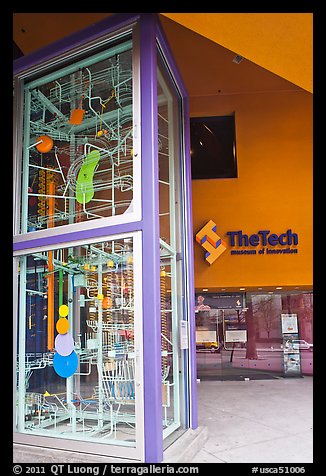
<point>189,251</point>
<point>150,29</point>
<point>151,243</point>
<point>78,235</point>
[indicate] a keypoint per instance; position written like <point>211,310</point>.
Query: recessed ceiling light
<point>205,289</point>
<point>237,59</point>
<point>223,289</point>
<point>260,289</point>
<point>270,292</point>
<point>279,287</point>
<point>242,289</point>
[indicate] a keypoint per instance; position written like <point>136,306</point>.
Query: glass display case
<point>77,142</point>
<point>76,372</point>
<point>103,244</point>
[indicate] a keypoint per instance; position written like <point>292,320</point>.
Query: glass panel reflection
<point>76,365</point>
<point>171,279</point>
<point>234,344</point>
<point>78,142</point>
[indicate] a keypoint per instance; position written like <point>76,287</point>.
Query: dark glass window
<point>213,147</point>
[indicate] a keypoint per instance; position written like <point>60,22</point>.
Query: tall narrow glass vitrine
<point>103,275</point>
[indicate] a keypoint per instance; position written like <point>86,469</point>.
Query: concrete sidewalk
<point>256,421</point>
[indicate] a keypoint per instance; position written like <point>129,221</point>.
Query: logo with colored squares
<point>211,242</point>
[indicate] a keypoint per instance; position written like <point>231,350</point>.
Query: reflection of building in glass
<point>263,352</point>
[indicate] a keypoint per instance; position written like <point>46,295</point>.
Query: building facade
<point>131,280</point>
<point>103,251</point>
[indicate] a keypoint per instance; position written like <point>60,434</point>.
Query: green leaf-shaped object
<point>84,187</point>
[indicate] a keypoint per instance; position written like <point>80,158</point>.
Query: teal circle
<point>65,365</point>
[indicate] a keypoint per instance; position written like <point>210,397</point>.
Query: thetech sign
<point>262,243</point>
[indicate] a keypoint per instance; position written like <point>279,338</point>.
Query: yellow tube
<point>163,320</point>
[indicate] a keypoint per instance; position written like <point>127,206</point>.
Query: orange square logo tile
<point>211,242</point>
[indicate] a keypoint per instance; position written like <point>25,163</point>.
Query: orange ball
<point>62,325</point>
<point>46,144</point>
<point>106,303</point>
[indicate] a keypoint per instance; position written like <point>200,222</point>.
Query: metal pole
<point>22,345</point>
<point>70,380</point>
<point>26,134</point>
<point>100,344</point>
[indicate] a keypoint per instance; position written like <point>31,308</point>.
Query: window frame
<point>216,175</point>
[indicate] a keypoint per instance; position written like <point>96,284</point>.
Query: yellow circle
<point>63,310</point>
<point>62,325</point>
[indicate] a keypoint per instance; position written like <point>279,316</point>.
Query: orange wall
<point>273,189</point>
<point>280,42</point>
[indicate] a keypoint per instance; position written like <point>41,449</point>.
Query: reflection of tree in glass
<point>265,314</point>
<point>241,323</point>
<point>251,352</point>
<point>306,315</point>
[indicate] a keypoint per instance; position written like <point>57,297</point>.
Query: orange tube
<point>51,203</point>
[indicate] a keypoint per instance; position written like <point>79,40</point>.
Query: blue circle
<point>65,366</point>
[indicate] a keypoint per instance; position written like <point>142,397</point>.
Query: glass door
<point>235,365</point>
<point>209,340</point>
<point>171,249</point>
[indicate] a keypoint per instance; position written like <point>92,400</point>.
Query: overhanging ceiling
<point>32,31</point>
<point>208,69</point>
<point>279,42</point>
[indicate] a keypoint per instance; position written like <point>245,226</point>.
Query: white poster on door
<point>237,335</point>
<point>184,344</point>
<point>289,323</point>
